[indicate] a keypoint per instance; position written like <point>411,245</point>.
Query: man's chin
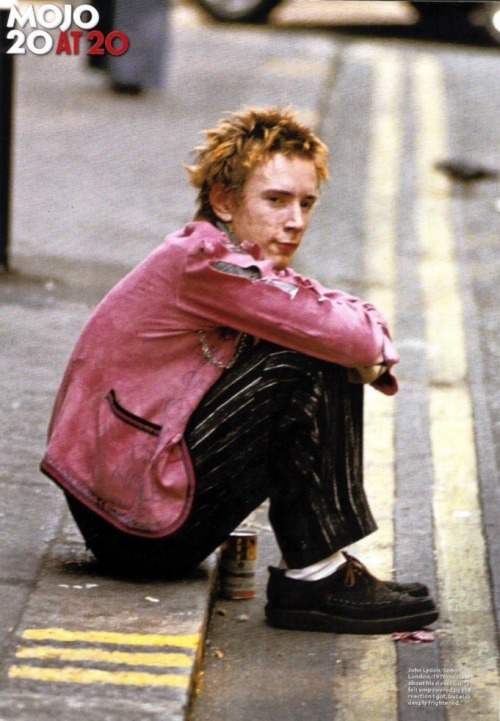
<point>281,263</point>
<point>281,260</point>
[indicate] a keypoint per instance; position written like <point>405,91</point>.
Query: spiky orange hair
<point>243,140</point>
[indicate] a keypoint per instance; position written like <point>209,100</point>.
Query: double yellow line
<point>370,680</point>
<point>468,642</point>
<point>52,649</point>
<point>461,552</point>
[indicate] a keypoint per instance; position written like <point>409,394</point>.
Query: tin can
<point>237,565</point>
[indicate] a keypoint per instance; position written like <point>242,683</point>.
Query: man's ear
<point>222,202</point>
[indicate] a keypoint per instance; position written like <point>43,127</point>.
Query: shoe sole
<point>316,621</point>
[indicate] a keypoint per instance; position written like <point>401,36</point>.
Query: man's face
<point>276,206</point>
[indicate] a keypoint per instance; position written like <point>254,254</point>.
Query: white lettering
<point>15,16</point>
<point>51,16</point>
<point>46,45</point>
<point>77,17</point>
<point>49,10</point>
<point>17,47</point>
<point>67,18</point>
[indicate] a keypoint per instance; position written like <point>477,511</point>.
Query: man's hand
<point>379,376</point>
<point>366,374</point>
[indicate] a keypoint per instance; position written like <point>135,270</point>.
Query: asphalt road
<point>393,229</point>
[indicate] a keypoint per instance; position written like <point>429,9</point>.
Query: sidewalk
<point>126,650</point>
<point>106,648</point>
<point>98,182</point>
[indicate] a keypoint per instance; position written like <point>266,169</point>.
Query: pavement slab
<point>126,649</point>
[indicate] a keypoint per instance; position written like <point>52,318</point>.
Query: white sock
<point>316,571</point>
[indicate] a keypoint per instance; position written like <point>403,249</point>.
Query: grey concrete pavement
<point>98,182</point>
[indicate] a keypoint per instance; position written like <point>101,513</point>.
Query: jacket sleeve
<point>237,291</point>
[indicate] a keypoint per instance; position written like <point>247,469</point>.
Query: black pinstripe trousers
<point>277,425</point>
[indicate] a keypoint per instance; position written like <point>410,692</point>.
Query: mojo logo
<point>52,17</point>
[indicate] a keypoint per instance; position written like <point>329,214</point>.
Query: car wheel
<point>447,17</point>
<point>488,19</point>
<point>250,11</point>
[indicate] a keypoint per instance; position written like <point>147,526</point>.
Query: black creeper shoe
<point>351,600</point>
<point>413,589</point>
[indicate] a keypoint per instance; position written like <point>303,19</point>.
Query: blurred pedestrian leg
<point>106,9</point>
<point>145,22</point>
<point>143,65</point>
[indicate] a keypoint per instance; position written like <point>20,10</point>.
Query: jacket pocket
<point>130,418</point>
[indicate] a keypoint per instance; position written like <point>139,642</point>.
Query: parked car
<point>454,17</point>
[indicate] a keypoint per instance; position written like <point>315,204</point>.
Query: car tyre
<point>250,11</point>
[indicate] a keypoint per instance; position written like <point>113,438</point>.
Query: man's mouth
<point>286,246</point>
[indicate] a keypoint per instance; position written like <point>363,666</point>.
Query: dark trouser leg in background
<point>106,10</point>
<point>280,425</point>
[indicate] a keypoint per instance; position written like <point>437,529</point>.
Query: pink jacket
<point>139,370</point>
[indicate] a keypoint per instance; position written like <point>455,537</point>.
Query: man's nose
<point>296,218</point>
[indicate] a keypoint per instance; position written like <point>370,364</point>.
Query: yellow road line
<point>444,316</point>
<point>125,639</point>
<point>466,606</point>
<point>380,261</point>
<point>97,655</point>
<point>377,657</point>
<point>71,674</point>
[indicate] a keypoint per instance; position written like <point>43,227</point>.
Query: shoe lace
<point>354,569</point>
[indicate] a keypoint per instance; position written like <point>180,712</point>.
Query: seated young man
<point>213,377</point>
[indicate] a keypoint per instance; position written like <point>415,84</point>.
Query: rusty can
<point>237,565</point>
